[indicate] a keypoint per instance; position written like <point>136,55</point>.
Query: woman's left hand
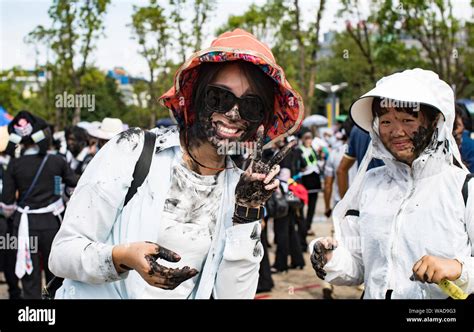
<point>257,183</point>
<point>433,269</point>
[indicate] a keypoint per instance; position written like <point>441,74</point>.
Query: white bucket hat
<point>107,129</point>
<point>416,86</point>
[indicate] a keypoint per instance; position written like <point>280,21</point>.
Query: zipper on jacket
<point>395,231</point>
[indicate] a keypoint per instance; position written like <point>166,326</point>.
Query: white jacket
<point>393,215</point>
<point>95,222</point>
<point>405,213</point>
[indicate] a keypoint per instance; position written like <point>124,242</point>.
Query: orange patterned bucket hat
<point>232,46</point>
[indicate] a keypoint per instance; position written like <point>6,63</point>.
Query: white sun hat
<point>414,86</point>
<point>107,129</point>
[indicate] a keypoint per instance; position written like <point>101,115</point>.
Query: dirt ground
<point>296,284</point>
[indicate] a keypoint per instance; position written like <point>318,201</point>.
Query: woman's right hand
<point>142,256</point>
<point>322,254</point>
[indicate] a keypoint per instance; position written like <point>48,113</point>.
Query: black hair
<point>463,115</point>
<point>80,134</point>
<point>37,124</point>
<point>346,128</point>
<point>260,84</point>
<point>303,130</point>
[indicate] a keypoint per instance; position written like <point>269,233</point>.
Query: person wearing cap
<point>403,227</point>
<point>31,190</point>
<point>196,212</point>
<point>108,128</point>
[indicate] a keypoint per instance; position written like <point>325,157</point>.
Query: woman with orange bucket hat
<point>192,228</point>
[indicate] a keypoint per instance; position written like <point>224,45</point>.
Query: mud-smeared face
<point>404,135</point>
<point>73,145</point>
<point>231,125</point>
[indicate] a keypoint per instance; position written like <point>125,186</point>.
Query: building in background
<point>125,84</point>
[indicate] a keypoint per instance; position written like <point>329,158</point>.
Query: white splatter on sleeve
<point>79,250</point>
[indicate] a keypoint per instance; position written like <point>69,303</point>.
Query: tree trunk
<point>314,56</point>
<point>301,48</point>
<point>57,119</point>
<point>77,116</point>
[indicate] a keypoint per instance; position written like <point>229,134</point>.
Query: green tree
<point>75,28</point>
<point>202,9</point>
<point>151,28</point>
<point>15,95</point>
<point>439,33</point>
<point>108,99</point>
<point>179,22</point>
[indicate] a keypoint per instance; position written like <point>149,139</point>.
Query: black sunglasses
<point>221,100</point>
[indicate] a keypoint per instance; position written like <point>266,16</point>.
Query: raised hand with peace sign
<point>258,182</point>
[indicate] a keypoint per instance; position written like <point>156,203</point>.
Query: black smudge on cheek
<point>202,130</point>
<point>250,131</point>
<point>421,139</point>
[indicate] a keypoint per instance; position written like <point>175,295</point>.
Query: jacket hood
<point>232,46</point>
<point>411,87</point>
<point>416,86</point>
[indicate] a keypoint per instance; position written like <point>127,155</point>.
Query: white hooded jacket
<point>394,215</point>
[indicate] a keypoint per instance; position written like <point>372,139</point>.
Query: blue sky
<point>18,17</point>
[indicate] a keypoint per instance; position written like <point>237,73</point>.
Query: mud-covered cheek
<point>250,131</point>
<point>205,119</point>
<point>420,139</point>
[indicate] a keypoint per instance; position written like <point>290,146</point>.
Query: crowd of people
<point>39,171</point>
<point>174,212</point>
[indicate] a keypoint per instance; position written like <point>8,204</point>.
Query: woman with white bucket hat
<point>403,228</point>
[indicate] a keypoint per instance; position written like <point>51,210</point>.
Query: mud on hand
<point>257,183</point>
<point>166,277</point>
<point>322,252</point>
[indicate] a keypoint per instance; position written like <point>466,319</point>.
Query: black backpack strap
<point>142,167</point>
<point>465,192</point>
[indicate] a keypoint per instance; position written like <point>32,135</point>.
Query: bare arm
<point>328,182</point>
<point>343,174</point>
